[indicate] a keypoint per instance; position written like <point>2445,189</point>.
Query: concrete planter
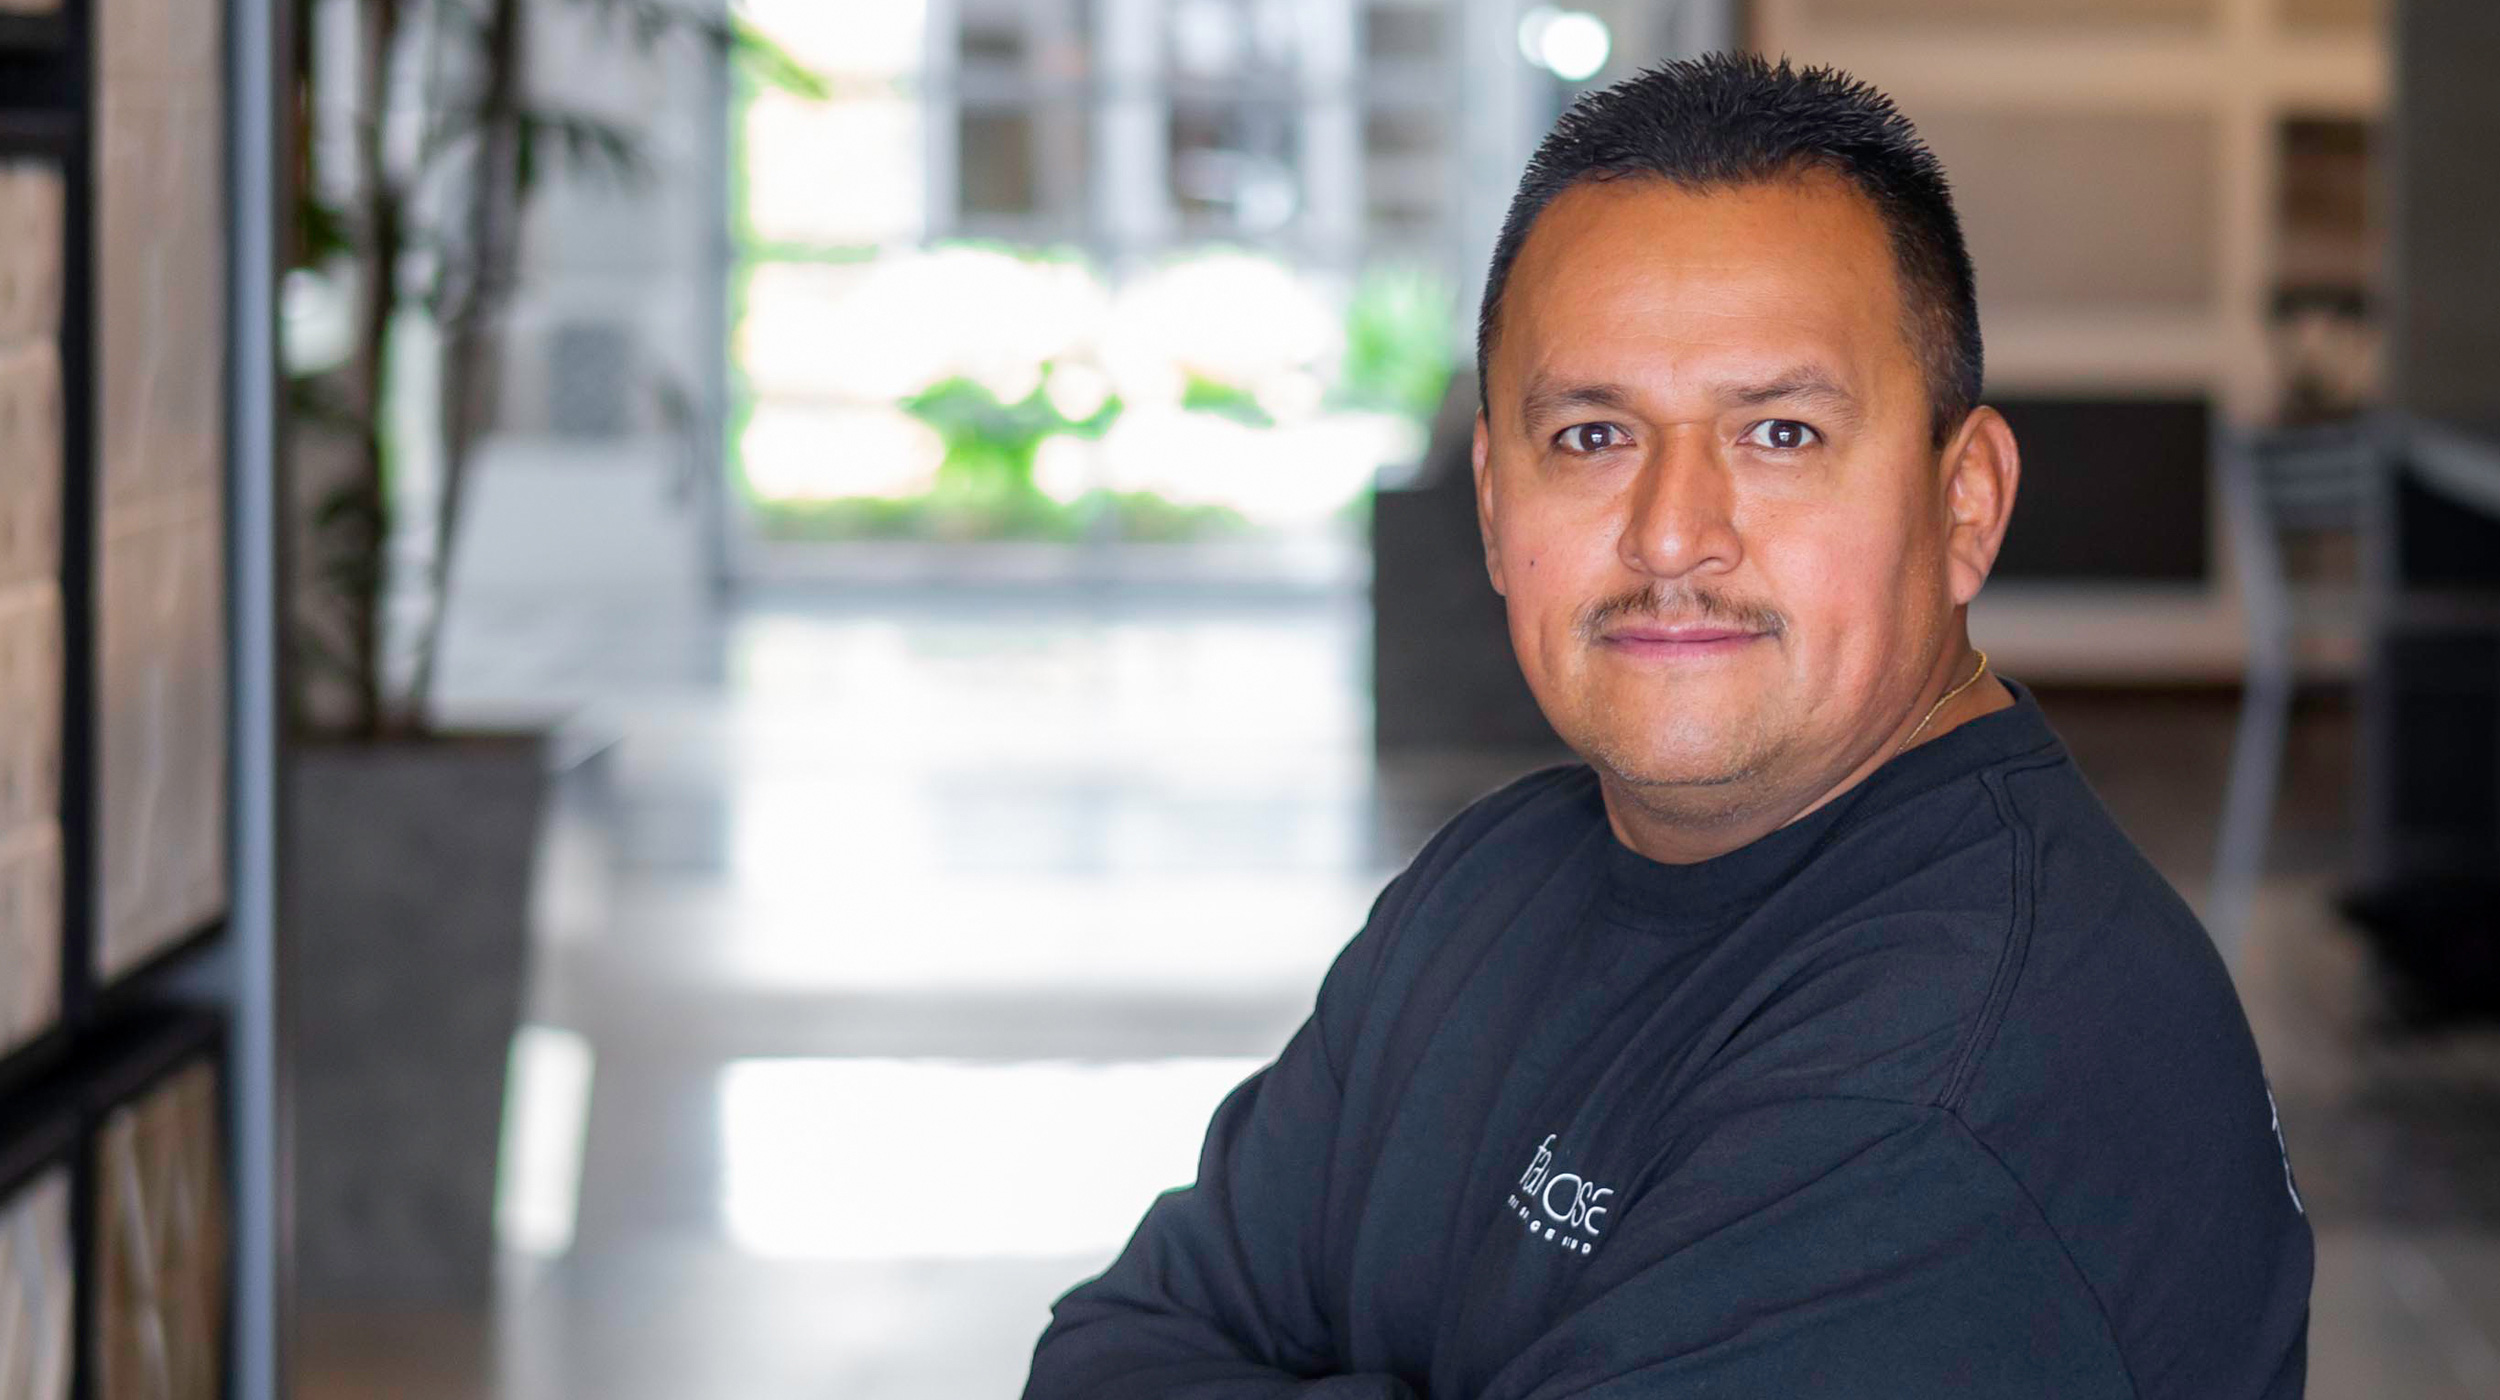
<point>409,870</point>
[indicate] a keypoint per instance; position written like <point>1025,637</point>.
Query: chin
<point>1707,769</point>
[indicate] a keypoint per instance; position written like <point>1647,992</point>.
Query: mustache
<point>1663,604</point>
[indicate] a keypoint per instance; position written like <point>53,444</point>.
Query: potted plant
<point>411,846</point>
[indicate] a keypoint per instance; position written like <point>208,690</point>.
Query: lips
<point>1677,636</point>
<point>1661,644</point>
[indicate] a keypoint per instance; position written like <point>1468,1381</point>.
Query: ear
<point>1982,469</point>
<point>1480,456</point>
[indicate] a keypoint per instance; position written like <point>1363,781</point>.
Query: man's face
<point>1708,490</point>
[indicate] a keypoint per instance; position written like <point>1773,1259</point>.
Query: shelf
<point>38,30</point>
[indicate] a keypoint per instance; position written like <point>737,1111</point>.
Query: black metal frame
<point>35,53</point>
<point>33,1140</point>
<point>113,1039</point>
<point>24,1070</point>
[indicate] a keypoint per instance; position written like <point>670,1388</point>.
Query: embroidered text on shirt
<point>1561,1208</point>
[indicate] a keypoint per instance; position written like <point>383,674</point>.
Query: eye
<point>1781,435</point>
<point>1584,438</point>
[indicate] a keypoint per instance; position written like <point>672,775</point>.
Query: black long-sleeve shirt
<point>1939,1090</point>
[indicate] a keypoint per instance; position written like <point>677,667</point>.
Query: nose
<point>1680,517</point>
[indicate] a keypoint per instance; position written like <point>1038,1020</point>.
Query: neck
<point>1675,833</point>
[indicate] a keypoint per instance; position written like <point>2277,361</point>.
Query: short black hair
<point>1727,120</point>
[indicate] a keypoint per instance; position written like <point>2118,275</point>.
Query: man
<point>1822,1035</point>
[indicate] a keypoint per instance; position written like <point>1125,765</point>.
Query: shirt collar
<point>1709,892</point>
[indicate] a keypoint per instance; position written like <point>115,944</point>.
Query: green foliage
<point>1397,355</point>
<point>1225,401</point>
<point>451,204</point>
<point>1144,516</point>
<point>940,515</point>
<point>763,60</point>
<point>582,143</point>
<point>757,54</point>
<point>321,232</point>
<point>947,516</point>
<point>989,445</point>
<point>1398,359</point>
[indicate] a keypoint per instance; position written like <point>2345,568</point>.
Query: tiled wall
<point>160,1243</point>
<point>30,598</point>
<point>160,274</point>
<point>36,1289</point>
<point>112,483</point>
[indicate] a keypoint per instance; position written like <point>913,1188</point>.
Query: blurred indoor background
<point>685,680</point>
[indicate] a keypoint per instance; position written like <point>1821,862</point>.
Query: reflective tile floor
<point>894,954</point>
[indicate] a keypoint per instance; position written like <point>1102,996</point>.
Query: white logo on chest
<point>1560,1208</point>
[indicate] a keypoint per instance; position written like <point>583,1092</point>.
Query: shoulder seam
<point>2021,876</point>
<point>2109,1325</point>
<point>1398,898</point>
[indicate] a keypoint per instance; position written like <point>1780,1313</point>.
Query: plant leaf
<point>352,503</point>
<point>586,143</point>
<point>762,58</point>
<point>757,53</point>
<point>314,399</point>
<point>321,233</point>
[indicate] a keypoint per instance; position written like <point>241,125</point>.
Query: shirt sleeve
<point>1215,1297</point>
<point>1826,1247</point>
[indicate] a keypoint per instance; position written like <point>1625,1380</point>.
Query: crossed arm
<point>1802,1246</point>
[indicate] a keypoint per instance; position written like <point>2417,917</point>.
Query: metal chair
<point>2278,486</point>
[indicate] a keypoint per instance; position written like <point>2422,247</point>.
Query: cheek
<point>1557,567</point>
<point>1855,587</point>
<point>1543,543</point>
<point>1558,563</point>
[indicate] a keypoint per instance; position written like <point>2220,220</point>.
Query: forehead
<point>1636,277</point>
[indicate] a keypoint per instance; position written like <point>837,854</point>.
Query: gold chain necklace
<point>1942,700</point>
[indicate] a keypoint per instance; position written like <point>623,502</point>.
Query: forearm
<point>1214,1297</point>
<point>1140,1333</point>
<point>1136,1359</point>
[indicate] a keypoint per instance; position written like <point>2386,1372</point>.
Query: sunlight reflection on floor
<point>936,1159</point>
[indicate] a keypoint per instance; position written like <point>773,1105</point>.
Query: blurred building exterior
<point>1357,147</point>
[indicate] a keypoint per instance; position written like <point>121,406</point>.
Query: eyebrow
<point>1548,398</point>
<point>1807,383</point>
